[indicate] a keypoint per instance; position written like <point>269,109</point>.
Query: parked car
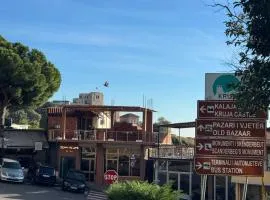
<point>11,170</point>
<point>25,162</point>
<point>42,174</point>
<point>75,181</point>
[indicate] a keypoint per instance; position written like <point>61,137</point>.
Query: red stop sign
<point>110,176</point>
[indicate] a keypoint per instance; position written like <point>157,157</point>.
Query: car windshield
<point>76,176</point>
<point>46,170</point>
<point>11,165</point>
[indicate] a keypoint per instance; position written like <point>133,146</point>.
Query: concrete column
<point>100,155</point>
<point>112,118</point>
<point>144,121</point>
<point>64,117</point>
<point>149,126</point>
<point>78,159</point>
<point>142,163</point>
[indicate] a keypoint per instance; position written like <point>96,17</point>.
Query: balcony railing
<point>100,135</point>
<point>172,152</point>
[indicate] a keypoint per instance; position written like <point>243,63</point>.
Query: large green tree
<point>26,116</point>
<point>27,78</point>
<point>248,28</point>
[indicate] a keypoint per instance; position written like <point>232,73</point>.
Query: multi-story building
<point>92,98</point>
<point>130,118</point>
<point>88,138</point>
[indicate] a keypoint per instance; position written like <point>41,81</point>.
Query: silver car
<point>11,170</point>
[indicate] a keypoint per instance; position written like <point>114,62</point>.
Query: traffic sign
<point>229,166</point>
<point>231,128</point>
<point>110,176</point>
<point>219,86</point>
<point>229,147</point>
<point>225,109</point>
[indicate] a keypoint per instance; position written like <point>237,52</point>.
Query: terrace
<point>99,124</point>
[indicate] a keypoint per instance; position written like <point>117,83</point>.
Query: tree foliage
<point>25,116</point>
<point>160,121</point>
<point>27,78</point>
<point>248,27</point>
<point>135,190</point>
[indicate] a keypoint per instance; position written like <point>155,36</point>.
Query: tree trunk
<point>3,109</point>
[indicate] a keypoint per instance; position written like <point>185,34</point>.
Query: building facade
<point>92,98</point>
<point>130,118</point>
<point>88,138</point>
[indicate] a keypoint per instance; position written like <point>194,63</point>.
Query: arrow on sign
<point>200,146</point>
<point>199,165</point>
<point>202,109</point>
<point>201,127</point>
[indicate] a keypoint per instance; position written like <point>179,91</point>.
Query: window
<point>97,97</point>
<point>179,166</point>
<point>88,152</point>
<point>120,161</point>
<point>84,165</point>
<point>11,165</point>
<point>123,169</point>
<point>112,164</point>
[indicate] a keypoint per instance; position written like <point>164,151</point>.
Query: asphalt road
<point>11,191</point>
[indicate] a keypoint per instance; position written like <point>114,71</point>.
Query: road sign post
<point>223,132</point>
<point>228,141</point>
<point>110,177</point>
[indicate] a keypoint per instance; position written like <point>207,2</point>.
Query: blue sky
<point>157,48</point>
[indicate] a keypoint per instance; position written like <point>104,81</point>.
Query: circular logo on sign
<point>224,84</point>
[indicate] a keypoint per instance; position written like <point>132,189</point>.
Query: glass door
<point>89,168</point>
<point>174,179</point>
<point>92,171</point>
<point>66,164</point>
<point>112,164</point>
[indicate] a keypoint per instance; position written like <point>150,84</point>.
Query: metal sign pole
<point>202,186</point>
<point>263,190</point>
<point>215,188</point>
<point>245,190</point>
<point>203,191</point>
<point>226,188</point>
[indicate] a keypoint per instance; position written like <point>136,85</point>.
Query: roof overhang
<point>180,125</point>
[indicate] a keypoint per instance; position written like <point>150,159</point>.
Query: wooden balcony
<point>99,135</point>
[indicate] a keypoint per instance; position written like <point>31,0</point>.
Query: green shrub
<point>136,190</point>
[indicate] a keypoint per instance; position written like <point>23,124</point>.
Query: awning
<point>24,139</point>
<point>180,125</point>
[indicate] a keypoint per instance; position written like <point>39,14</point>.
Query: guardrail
<point>101,135</point>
